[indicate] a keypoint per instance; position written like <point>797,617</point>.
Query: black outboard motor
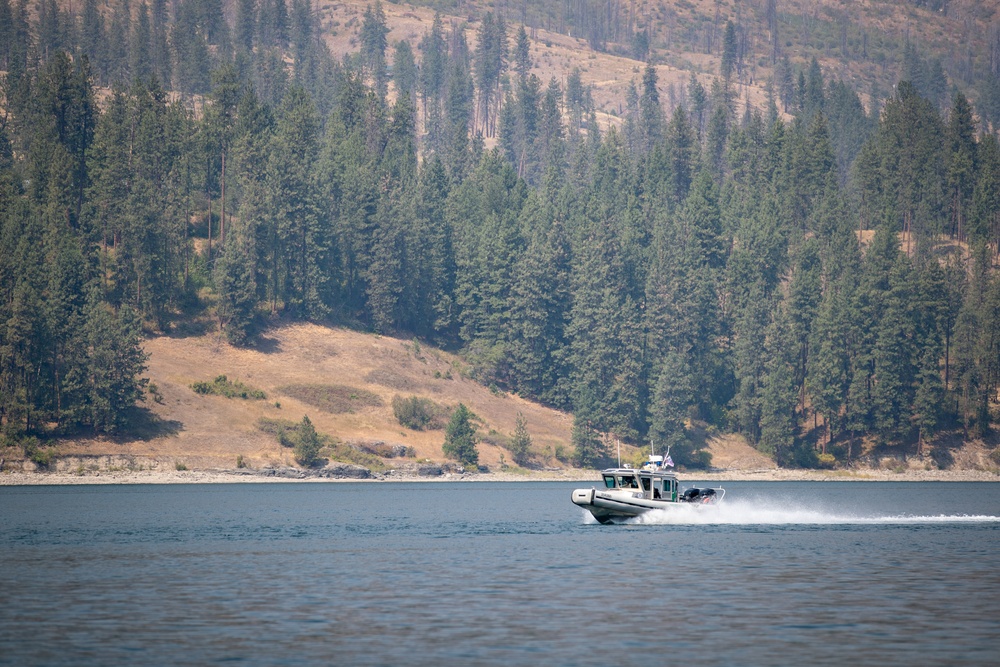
<point>698,496</point>
<point>691,495</point>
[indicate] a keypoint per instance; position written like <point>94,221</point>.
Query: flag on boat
<point>669,462</point>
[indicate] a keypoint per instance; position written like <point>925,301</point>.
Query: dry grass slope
<point>344,380</point>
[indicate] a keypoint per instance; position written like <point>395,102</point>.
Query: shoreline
<point>293,475</point>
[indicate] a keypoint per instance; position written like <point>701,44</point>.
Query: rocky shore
<point>432,473</point>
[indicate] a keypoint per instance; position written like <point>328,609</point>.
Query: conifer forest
<point>814,272</point>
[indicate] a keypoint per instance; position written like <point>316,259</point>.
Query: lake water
<point>832,573</point>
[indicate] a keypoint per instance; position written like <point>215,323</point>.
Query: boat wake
<point>748,513</point>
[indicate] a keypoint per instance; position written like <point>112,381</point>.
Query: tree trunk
<point>222,213</point>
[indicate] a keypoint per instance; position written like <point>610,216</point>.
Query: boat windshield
<point>628,482</point>
<point>621,482</point>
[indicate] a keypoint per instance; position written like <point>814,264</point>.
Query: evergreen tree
<point>297,226</point>
<point>307,443</point>
<point>491,61</point>
<point>460,437</point>
<point>893,359</point>
<point>140,41</point>
<point>729,47</point>
<point>588,447</point>
<point>115,360</point>
<point>778,391</point>
<point>961,165</point>
<point>245,25</point>
<point>404,70</point>
<point>520,442</point>
<point>651,113</point>
<point>92,37</point>
<point>373,46</point>
<point>236,276</point>
<point>433,78</point>
<point>159,48</point>
<point>668,409</point>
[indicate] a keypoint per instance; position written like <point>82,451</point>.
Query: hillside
<point>180,429</point>
<point>863,44</point>
<point>206,431</point>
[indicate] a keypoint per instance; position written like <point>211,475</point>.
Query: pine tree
<point>778,390</point>
<point>92,37</point>
<point>539,305</point>
<point>588,447</point>
<point>140,56</point>
<point>115,360</point>
<point>433,78</point>
<point>961,165</point>
<point>404,71</point>
<point>520,442</point>
<point>491,61</point>
<point>297,225</point>
<point>160,49</point>
<point>245,24</point>
<point>236,277</point>
<point>460,437</point>
<point>729,47</point>
<point>668,409</point>
<point>307,443</point>
<point>373,46</point>
<point>893,358</point>
<point>651,113</point>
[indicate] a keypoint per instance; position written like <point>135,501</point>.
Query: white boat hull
<point>612,505</point>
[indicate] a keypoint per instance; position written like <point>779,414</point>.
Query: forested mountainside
<point>806,272</point>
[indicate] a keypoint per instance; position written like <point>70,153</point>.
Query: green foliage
<point>33,450</point>
<point>307,443</point>
<point>520,442</point>
<point>223,386</point>
<point>590,451</point>
<point>460,437</point>
<point>417,413</point>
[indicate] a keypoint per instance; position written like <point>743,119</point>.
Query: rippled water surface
<point>490,573</point>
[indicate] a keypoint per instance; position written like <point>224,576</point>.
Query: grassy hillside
<point>357,374</point>
<point>345,381</point>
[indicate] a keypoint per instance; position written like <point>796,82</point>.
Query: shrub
<point>417,413</point>
<point>825,461</point>
<point>223,386</point>
<point>40,456</point>
<point>179,465</point>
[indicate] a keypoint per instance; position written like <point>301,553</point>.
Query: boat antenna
<point>619,442</point>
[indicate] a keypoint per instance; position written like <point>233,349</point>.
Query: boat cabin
<point>654,484</point>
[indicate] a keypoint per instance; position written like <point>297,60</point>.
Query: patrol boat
<point>629,492</point>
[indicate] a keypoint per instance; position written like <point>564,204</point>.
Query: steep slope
<point>207,431</point>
